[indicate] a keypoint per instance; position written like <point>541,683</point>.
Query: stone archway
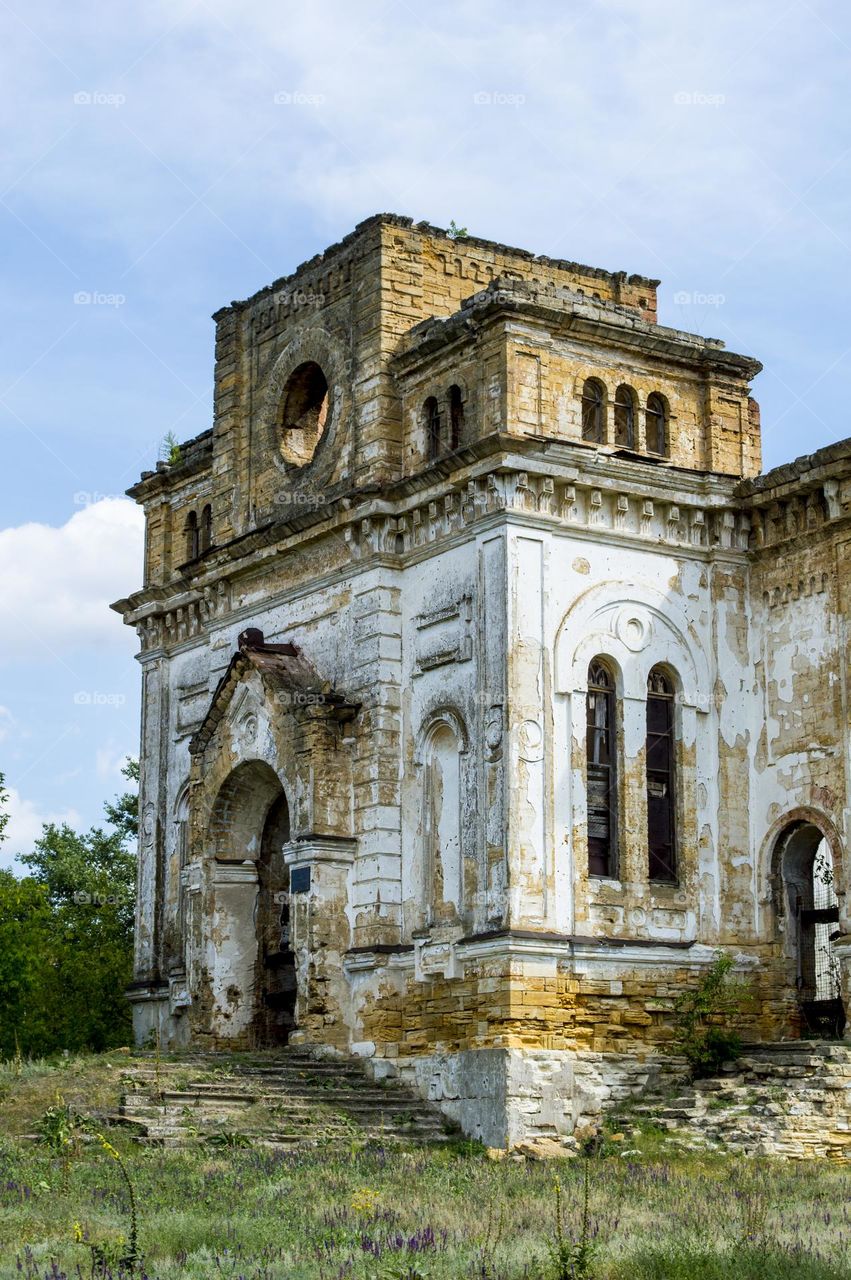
<point>806,903</point>
<point>253,967</point>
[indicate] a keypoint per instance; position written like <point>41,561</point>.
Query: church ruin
<point>488,687</point>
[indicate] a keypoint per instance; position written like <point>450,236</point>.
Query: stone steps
<point>285,1100</point>
<point>786,1100</point>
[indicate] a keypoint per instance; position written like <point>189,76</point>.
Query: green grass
<point>354,1213</point>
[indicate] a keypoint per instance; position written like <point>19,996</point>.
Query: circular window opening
<point>304,412</point>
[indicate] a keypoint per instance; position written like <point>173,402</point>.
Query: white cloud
<point>56,584</point>
<point>384,115</point>
<point>7,721</point>
<point>25,826</point>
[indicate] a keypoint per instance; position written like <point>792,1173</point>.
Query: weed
<point>572,1259</point>
<point>227,1138</point>
<point>700,1013</point>
<point>130,1257</point>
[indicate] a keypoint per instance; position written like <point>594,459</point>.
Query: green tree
<point>26,939</point>
<point>70,960</point>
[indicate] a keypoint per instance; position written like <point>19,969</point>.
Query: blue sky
<point>160,160</point>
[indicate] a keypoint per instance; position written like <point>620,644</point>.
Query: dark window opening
<point>304,411</point>
<point>592,412</point>
<point>431,413</point>
<point>206,531</point>
<point>191,535</point>
<point>661,797</point>
<point>625,418</point>
<point>657,426</point>
<point>601,751</point>
<point>456,416</point>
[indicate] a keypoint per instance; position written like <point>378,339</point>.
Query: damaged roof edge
<point>832,455</point>
<point>333,251</point>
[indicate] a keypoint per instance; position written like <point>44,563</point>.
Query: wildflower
<point>365,1201</point>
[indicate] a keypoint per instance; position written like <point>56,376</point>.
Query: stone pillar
<point>231,948</point>
<point>320,870</point>
<point>531,870</point>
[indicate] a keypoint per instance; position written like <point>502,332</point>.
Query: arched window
<point>601,747</point>
<point>456,416</point>
<point>657,424</point>
<point>661,777</point>
<point>206,530</point>
<point>625,417</point>
<point>431,417</point>
<point>593,401</point>
<point>190,534</point>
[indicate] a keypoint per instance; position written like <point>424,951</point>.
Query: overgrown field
<point>355,1213</point>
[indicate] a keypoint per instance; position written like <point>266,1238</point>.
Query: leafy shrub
<point>701,1034</point>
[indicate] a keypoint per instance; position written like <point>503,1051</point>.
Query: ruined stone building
<point>488,687</point>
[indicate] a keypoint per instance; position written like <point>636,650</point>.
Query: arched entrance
<point>250,824</point>
<point>806,899</point>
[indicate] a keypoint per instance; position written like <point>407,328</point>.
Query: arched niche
<point>444,878</point>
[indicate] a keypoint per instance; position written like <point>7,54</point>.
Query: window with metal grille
<point>431,415</point>
<point>601,748</point>
<point>661,770</point>
<point>657,424</point>
<point>456,416</point>
<point>625,418</point>
<point>593,401</point>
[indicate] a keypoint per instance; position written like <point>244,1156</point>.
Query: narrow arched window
<point>661,777</point>
<point>593,401</point>
<point>625,418</point>
<point>456,416</point>
<point>657,424</point>
<point>601,747</point>
<point>431,416</point>
<point>190,534</point>
<point>206,531</point>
